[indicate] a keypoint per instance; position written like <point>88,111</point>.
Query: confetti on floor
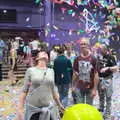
<point>9,98</point>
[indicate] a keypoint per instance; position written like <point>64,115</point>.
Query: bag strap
<point>44,74</point>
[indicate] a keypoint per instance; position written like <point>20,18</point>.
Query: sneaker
<point>101,110</point>
<point>107,117</point>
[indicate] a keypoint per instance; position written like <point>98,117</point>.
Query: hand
<point>61,108</point>
<point>104,69</point>
<point>20,113</point>
<point>94,92</point>
<point>73,89</point>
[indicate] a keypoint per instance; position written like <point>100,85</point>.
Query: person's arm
<point>96,81</point>
<point>57,100</point>
<point>75,66</point>
<point>20,107</point>
<point>22,100</point>
<point>113,68</point>
<point>95,78</point>
<point>55,93</point>
<point>23,95</point>
<point>75,73</point>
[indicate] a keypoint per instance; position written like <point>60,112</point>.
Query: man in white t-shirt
<point>53,55</point>
<point>16,45</point>
<point>35,44</point>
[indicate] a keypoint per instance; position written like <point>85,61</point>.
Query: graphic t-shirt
<point>85,67</point>
<point>84,70</point>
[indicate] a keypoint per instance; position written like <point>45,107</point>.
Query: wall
<point>24,10</point>
<point>67,28</point>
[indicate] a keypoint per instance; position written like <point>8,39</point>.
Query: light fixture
<point>4,11</point>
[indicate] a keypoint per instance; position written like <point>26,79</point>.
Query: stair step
<point>8,66</point>
<point>6,76</point>
<point>16,72</point>
<point>7,69</point>
<point>17,76</point>
<point>4,66</point>
<point>19,73</point>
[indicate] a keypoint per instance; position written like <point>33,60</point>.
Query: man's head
<point>84,43</point>
<point>104,49</point>
<point>69,49</point>
<point>60,51</point>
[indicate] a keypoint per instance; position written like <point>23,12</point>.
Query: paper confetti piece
<point>55,27</point>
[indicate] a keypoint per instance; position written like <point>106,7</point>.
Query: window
<point>7,16</point>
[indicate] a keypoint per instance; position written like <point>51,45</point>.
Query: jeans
<point>105,91</point>
<point>82,96</point>
<point>63,91</point>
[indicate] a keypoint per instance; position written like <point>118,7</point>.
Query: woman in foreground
<point>39,92</point>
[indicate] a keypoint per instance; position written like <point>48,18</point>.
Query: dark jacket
<point>106,61</point>
<point>62,68</point>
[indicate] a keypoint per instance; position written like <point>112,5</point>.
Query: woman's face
<point>42,56</point>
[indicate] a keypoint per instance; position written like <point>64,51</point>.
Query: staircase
<point>19,73</point>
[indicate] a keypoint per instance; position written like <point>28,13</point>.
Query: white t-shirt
<point>53,55</point>
<point>15,45</point>
<point>34,44</point>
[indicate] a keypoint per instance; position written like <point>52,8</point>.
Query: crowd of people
<point>18,51</point>
<point>51,77</point>
<point>52,74</point>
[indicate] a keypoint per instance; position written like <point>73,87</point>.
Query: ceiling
<point>17,1</point>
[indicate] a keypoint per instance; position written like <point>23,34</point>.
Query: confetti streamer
<point>70,12</point>
<point>90,23</point>
<point>70,2</point>
<point>73,14</point>
<point>55,27</point>
<point>58,1</point>
<point>70,32</point>
<point>63,10</point>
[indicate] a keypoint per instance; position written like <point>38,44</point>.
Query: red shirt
<point>86,68</point>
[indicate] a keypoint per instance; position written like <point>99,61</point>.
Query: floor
<point>9,98</point>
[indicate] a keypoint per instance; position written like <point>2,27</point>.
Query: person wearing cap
<point>107,66</point>
<point>85,69</point>
<point>39,92</point>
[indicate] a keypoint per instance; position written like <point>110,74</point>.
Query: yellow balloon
<point>82,112</point>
